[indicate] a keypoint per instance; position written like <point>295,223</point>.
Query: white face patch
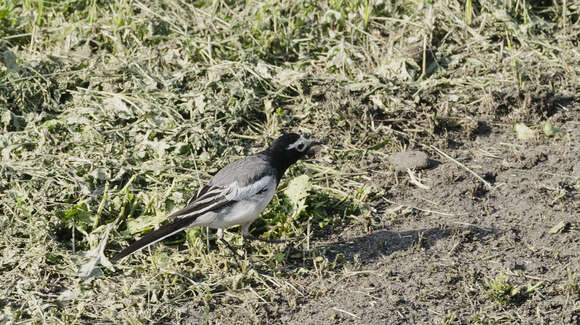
<point>301,144</point>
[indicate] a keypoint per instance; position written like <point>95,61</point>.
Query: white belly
<point>244,212</point>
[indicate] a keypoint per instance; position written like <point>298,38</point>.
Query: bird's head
<point>291,147</point>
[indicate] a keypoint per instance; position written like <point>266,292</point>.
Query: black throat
<point>279,161</point>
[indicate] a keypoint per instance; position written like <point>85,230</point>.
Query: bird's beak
<point>313,147</point>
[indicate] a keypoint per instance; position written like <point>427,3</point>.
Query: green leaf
<point>3,13</point>
<point>551,130</point>
<point>143,223</point>
<point>9,58</point>
<point>297,191</point>
<point>79,216</point>
<point>298,188</point>
<point>280,257</point>
<point>90,261</point>
<point>52,125</point>
<point>379,145</point>
<point>468,12</point>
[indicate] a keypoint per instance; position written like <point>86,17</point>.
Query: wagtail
<point>236,195</point>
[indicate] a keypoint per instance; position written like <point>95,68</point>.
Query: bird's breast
<point>245,211</point>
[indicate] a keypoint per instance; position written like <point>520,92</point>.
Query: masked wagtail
<point>236,195</point>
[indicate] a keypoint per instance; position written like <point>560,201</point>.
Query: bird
<point>236,195</point>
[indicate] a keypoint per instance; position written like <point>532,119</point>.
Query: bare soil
<point>430,256</point>
<point>112,113</point>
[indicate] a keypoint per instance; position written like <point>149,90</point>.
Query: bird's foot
<point>234,252</point>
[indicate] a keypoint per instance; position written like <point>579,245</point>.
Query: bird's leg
<point>220,236</point>
<point>233,252</point>
<point>245,233</point>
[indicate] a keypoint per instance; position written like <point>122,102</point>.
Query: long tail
<point>155,236</point>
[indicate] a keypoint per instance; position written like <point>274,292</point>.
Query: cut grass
<point>503,291</point>
<point>115,112</point>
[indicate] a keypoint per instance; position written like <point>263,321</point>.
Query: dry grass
<point>114,112</point>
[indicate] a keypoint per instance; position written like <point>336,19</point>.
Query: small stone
<point>409,159</point>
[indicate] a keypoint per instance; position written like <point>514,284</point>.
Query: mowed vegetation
<point>112,113</point>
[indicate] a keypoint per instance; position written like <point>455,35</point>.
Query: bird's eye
<point>301,147</point>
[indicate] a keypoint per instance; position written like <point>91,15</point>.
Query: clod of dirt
<point>533,158</point>
<point>560,227</point>
<point>409,159</point>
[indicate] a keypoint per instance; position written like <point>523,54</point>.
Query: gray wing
<point>244,171</point>
<point>237,181</point>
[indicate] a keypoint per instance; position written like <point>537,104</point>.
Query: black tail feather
<point>155,236</point>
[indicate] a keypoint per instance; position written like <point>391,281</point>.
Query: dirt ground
<point>435,262</point>
<point>113,113</point>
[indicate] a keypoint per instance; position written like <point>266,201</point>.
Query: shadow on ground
<point>369,247</point>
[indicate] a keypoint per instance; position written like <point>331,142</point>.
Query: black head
<point>288,149</point>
